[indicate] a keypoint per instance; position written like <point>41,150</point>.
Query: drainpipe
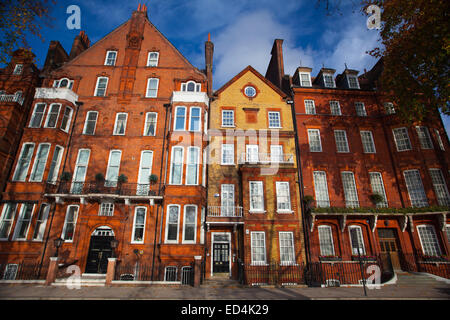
<point>78,104</point>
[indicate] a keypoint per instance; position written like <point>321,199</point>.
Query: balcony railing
<point>11,98</point>
<point>105,187</point>
<point>224,211</point>
<point>266,158</point>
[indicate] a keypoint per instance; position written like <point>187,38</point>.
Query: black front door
<point>99,252</point>
<point>221,261</point>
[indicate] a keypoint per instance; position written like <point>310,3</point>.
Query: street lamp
<point>58,243</point>
<point>114,244</point>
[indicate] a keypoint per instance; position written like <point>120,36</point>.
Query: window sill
<point>223,126</point>
<point>257,211</point>
<point>275,127</point>
<point>227,164</point>
<point>259,264</point>
<point>137,242</point>
<point>285,211</point>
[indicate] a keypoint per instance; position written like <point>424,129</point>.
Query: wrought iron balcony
<point>225,211</point>
<point>104,188</point>
<point>266,158</point>
<point>11,98</point>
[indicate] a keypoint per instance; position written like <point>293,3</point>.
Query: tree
<point>415,46</point>
<point>18,18</point>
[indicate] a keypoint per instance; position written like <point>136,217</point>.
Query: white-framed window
<point>80,170</point>
<point>18,68</point>
<point>11,271</point>
<point>170,273</point>
<point>252,153</point>
<point>440,187</point>
<point>100,87</point>
<point>6,220</point>
<point>227,199</point>
<point>110,59</point>
<point>310,107</point>
<point>63,83</point>
<point>376,182</point>
<point>172,223</point>
<point>189,224</point>
<point>23,221</point>
<point>67,117</point>
<point>140,215</point>
<point>367,142</point>
<point>106,209</point>
<point>287,251</point>
<point>335,108</point>
<point>389,108</point>
<point>258,247</point>
<point>152,88</point>
<point>90,123</point>
<point>350,193</point>
<point>180,119</point>
<point>38,115</point>
<point>326,240</point>
<point>321,189</point>
<point>112,172</point>
<point>305,79</point>
<point>24,162</point>
<point>256,196</point>
<point>283,196</point>
<point>415,188</point>
<point>439,139</point>
<point>37,173</point>
<point>356,240</point>
<point>428,240</point>
<point>328,80</point>
<point>227,118</point>
<point>151,119</point>
<point>424,137</point>
<point>250,91</point>
<point>191,86</point>
<point>274,119</point>
<point>52,116</point>
<point>340,137</point>
<point>69,223</point>
<point>401,139</point>
<point>353,82</point>
<point>195,119</point>
<point>153,58</point>
<point>176,165</point>
<point>145,170</point>
<point>192,166</point>
<point>120,125</point>
<point>227,156</point>
<point>315,145</point>
<point>41,222</point>
<point>360,109</point>
<point>276,153</point>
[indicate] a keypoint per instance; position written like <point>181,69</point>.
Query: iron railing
<point>104,187</point>
<point>224,211</point>
<point>143,272</point>
<point>437,265</point>
<point>266,158</point>
<point>11,98</point>
<point>23,271</point>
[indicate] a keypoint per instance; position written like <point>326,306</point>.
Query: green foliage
<point>122,178</point>
<point>153,178</point>
<point>381,210</point>
<point>99,177</point>
<point>19,18</point>
<point>66,176</point>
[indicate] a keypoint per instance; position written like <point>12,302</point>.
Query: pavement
<point>438,291</point>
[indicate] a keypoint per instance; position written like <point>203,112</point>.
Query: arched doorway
<point>99,250</point>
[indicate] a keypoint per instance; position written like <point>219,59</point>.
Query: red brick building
<point>111,158</point>
<point>378,186</point>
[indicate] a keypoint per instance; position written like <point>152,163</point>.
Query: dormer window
<point>328,80</point>
<point>352,82</point>
<point>63,83</point>
<point>110,58</point>
<point>191,86</point>
<point>18,69</point>
<point>305,79</point>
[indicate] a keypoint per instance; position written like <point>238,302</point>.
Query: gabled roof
<point>256,73</point>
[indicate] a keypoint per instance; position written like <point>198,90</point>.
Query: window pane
<point>24,162</point>
<point>177,165</point>
<point>376,181</point>
<point>430,244</point>
<point>180,118</point>
<point>195,119</point>
<point>287,254</point>
<point>38,114</point>
<point>274,120</point>
<point>321,189</point>
<point>440,187</point>
<point>172,231</point>
<point>314,140</point>
<point>39,163</point>
<point>91,121</point>
<point>415,188</point>
<point>351,196</point>
<point>341,141</point>
<point>326,241</point>
<point>402,139</point>
<point>227,118</point>
<point>310,107</point>
<point>150,124</point>
<point>356,240</point>
<point>52,117</point>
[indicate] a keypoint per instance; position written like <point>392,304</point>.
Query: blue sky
<point>242,31</point>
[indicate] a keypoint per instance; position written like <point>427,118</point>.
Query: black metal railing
<point>273,273</point>
<point>23,271</point>
<point>104,187</point>
<point>437,265</point>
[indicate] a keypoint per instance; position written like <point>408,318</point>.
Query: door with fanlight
<point>390,249</point>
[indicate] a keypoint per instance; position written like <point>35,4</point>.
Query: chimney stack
<point>80,43</point>
<point>209,50</point>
